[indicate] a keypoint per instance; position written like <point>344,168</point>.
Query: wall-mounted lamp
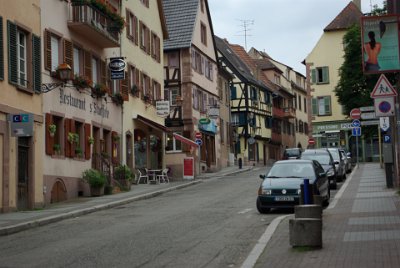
<point>63,73</point>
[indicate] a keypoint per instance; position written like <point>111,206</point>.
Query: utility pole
<point>245,25</point>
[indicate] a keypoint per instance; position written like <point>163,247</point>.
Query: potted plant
<point>147,98</point>
<point>73,138</point>
<point>57,148</point>
<point>124,175</point>
<point>117,98</point>
<point>52,130</point>
<point>96,181</point>
<point>99,90</point>
<point>134,90</point>
<point>90,140</point>
<point>78,152</point>
<point>81,82</point>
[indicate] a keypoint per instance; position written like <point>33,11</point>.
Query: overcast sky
<point>285,29</point>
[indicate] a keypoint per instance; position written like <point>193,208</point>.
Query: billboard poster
<point>380,44</point>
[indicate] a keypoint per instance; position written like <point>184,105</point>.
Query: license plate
<point>284,198</point>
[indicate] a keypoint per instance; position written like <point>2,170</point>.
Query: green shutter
<point>36,63</point>
<point>12,53</point>
<point>314,106</point>
<point>325,74</point>
<point>313,76</point>
<point>327,104</point>
<point>1,50</point>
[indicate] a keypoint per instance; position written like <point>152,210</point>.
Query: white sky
<point>285,29</point>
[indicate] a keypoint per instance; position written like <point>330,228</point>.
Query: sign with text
<point>117,68</point>
<point>162,108</point>
<point>21,125</point>
<point>188,168</point>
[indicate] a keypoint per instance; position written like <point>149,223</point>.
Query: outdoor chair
<point>143,174</point>
<point>163,176</point>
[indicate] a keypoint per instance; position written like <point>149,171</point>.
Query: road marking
<point>245,211</point>
<point>262,243</point>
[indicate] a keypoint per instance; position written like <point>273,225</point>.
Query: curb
<point>79,212</point>
<point>226,174</point>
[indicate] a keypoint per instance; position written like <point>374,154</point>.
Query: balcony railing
<point>93,25</point>
<point>289,112</point>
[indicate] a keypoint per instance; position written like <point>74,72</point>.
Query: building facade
<point>21,119</point>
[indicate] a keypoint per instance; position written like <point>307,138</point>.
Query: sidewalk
<point>18,221</point>
<point>361,228</point>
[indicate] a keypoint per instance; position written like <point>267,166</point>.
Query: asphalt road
<point>212,224</point>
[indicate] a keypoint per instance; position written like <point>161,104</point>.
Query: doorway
<point>23,173</point>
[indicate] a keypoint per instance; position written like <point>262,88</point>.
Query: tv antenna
<point>245,25</point>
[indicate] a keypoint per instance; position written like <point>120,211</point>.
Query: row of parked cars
<point>323,168</point>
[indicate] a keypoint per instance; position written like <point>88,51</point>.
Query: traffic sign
<point>384,123</point>
<point>386,138</point>
<point>384,106</point>
<point>311,141</point>
<point>356,123</point>
<point>355,113</point>
<point>356,132</point>
<point>383,88</point>
<point>199,142</point>
<point>198,135</point>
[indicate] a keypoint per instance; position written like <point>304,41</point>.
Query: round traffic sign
<point>198,135</point>
<point>384,107</point>
<point>356,123</point>
<point>311,141</point>
<point>199,142</point>
<point>355,113</point>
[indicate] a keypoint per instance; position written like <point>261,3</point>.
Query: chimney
<point>357,3</point>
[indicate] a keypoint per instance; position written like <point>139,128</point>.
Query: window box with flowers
<point>73,138</point>
<point>81,82</point>
<point>135,90</point>
<point>117,98</point>
<point>147,98</point>
<point>57,148</point>
<point>99,90</point>
<point>52,130</point>
<point>90,140</point>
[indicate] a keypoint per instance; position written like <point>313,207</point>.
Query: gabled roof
<point>350,15</point>
<point>181,19</point>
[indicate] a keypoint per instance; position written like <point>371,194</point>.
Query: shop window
<point>173,145</point>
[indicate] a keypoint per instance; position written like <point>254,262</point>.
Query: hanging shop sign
<point>21,125</point>
<point>117,68</point>
<point>162,108</point>
<point>204,121</point>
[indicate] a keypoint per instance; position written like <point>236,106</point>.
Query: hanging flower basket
<point>99,90</point>
<point>52,130</point>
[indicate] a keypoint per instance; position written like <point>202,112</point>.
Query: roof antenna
<point>245,25</point>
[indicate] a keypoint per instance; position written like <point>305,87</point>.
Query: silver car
<point>338,157</point>
<point>347,160</point>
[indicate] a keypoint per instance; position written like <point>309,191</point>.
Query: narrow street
<point>213,224</point>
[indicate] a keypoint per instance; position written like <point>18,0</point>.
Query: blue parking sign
<point>386,138</point>
<point>356,131</point>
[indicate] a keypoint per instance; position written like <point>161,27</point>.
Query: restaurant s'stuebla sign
<point>80,103</point>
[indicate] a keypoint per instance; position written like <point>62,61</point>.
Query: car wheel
<point>261,209</point>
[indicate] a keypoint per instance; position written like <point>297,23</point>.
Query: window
<point>145,3</point>
<point>321,105</point>
<point>132,27</point>
<point>23,58</point>
<point>172,144</point>
<point>209,70</point>
<point>145,84</point>
<point>156,91</point>
<point>78,61</point>
<point>222,130</point>
<point>55,44</point>
<point>320,75</point>
<point>305,104</point>
<point>196,96</point>
<point>203,34</point>
<point>144,38</point>
<point>295,100</point>
<point>300,102</point>
<point>277,79</point>
<point>173,93</point>
<point>155,47</point>
<point>95,71</point>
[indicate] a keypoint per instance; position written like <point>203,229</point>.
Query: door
<point>23,173</point>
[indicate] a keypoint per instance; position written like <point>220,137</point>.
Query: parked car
<point>324,157</point>
<point>292,153</point>
<point>281,186</point>
<point>338,157</point>
<point>347,160</point>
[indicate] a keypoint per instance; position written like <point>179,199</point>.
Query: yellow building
<point>330,127</point>
<point>21,120</point>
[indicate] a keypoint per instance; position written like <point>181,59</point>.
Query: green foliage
<point>94,177</point>
<point>123,172</point>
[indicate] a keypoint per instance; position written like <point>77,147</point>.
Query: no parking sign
<point>384,106</point>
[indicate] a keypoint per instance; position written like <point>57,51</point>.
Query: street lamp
<point>63,73</point>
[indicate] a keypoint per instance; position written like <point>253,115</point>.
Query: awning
<point>185,140</point>
<point>151,123</point>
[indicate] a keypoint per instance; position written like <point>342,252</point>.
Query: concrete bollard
<point>308,211</point>
<point>305,232</point>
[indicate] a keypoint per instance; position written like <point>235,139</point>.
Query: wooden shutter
<point>49,143</point>
<point>68,55</point>
<point>125,88</point>
<point>47,50</point>
<point>12,53</point>
<point>325,74</point>
<point>128,25</point>
<point>136,30</point>
<point>1,50</point>
<point>147,40</point>
<point>314,104</point>
<point>72,129</point>
<point>313,76</point>
<point>141,33</point>
<point>87,64</point>
<point>86,140</point>
<point>186,147</point>
<point>158,49</point>
<point>36,64</point>
<point>67,129</point>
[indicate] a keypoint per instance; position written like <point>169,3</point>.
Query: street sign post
<point>198,135</point>
<point>384,123</point>
<point>311,141</point>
